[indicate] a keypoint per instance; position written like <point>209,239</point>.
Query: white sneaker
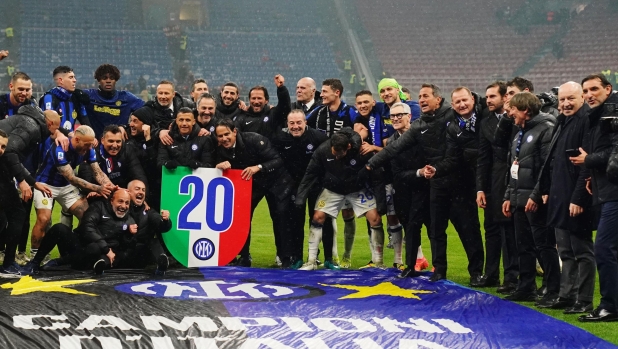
<point>310,265</point>
<point>21,258</point>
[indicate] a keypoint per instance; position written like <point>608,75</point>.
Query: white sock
<point>335,249</point>
<point>349,231</point>
<point>315,237</point>
<point>377,240</point>
<point>397,239</point>
<point>419,254</point>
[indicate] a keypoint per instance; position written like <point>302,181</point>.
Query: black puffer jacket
<point>253,149</point>
<point>296,152</point>
<point>228,111</point>
<point>598,144</point>
<point>101,226</point>
<point>535,142</point>
<point>192,152</point>
<point>163,117</point>
<point>268,120</point>
<point>337,175</point>
<point>120,169</point>
<point>149,222</point>
<point>7,109</point>
<point>405,165</point>
<point>26,130</point>
<point>428,131</point>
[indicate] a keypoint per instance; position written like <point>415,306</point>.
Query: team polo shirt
<point>56,157</point>
<point>115,111</point>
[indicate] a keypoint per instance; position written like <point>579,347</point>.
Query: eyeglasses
<point>398,116</point>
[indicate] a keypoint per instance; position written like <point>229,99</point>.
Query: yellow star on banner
<point>382,289</point>
<point>29,285</point>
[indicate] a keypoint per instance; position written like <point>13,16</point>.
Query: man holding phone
<point>569,205</point>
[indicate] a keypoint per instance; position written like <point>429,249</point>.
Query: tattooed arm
<point>67,172</point>
<point>99,176</point>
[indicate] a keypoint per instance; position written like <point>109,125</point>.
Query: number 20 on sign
<point>210,211</point>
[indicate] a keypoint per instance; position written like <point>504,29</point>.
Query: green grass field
<point>263,253</point>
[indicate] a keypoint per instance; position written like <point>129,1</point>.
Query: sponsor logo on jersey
<point>107,110</point>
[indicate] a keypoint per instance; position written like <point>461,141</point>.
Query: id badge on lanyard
<point>514,169</point>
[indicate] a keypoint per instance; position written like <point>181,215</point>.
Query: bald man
<point>306,97</point>
<point>96,241</point>
<point>569,205</point>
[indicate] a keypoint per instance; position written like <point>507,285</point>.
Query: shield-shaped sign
<point>210,211</point>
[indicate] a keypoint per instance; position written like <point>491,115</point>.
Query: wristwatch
<point>259,166</point>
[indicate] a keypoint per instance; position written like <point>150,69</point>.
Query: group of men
<point>537,171</point>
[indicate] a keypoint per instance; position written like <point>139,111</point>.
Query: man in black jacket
<point>253,154</point>
<point>594,156</point>
<point>307,98</point>
<point>296,145</point>
<point>429,132</point>
<point>118,161</point>
<point>229,104</point>
<point>260,117</point>
<point>95,242</point>
<point>339,166</point>
<point>20,94</point>
<point>459,167</point>
<point>528,151</point>
<point>519,84</point>
<point>569,205</point>
<point>164,109</point>
<point>187,148</point>
<point>207,113</point>
<point>491,172</point>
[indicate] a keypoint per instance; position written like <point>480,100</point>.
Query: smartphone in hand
<point>573,152</point>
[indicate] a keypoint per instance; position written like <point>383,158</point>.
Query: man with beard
<point>390,93</point>
<point>145,246</point>
<point>119,161</point>
<point>595,155</point>
<point>569,205</point>
<point>69,102</point>
<point>492,169</point>
<point>198,88</point>
<point>187,148</point>
<point>164,109</point>
<point>333,114</point>
<point>95,242</point>
<point>260,117</point>
<point>337,166</point>
<point>307,98</point>
<point>20,93</point>
<point>230,104</point>
<point>207,113</point>
<point>107,105</point>
<point>296,145</point>
<point>253,154</point>
<point>57,171</point>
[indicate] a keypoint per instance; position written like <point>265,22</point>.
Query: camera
<point>609,123</point>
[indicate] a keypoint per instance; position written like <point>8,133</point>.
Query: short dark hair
<point>20,75</point>
<point>364,92</point>
<point>205,96</point>
<point>105,69</point>
<point>339,141</point>
<point>521,84</point>
<point>185,110</point>
<point>3,134</point>
<point>198,81</point>
<point>167,82</point>
<point>226,123</point>
<point>462,88</point>
<point>259,88</point>
<point>335,84</point>
<point>501,85</point>
<point>231,84</point>
<point>601,77</point>
<point>435,90</point>
<point>406,90</point>
<point>114,129</point>
<point>526,101</point>
<point>63,69</point>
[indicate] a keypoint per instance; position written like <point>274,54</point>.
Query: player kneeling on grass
<point>339,167</point>
<point>96,241</point>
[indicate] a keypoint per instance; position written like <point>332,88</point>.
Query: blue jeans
<point>606,252</point>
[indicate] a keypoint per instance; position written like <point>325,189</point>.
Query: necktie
<point>305,108</point>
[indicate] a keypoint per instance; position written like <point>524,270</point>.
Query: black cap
<point>144,114</point>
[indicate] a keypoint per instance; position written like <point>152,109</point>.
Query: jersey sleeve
<point>60,158</point>
<point>92,156</point>
<point>46,102</point>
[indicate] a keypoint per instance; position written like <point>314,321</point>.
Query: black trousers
<point>605,251</point>
<point>13,213</point>
<point>534,236</point>
<point>458,205</point>
<point>500,239</point>
<point>25,231</point>
<point>412,209</point>
<point>71,250</point>
<point>579,269</point>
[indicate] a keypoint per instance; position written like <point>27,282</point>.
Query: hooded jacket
<point>534,144</point>
<point>100,225</point>
<point>194,151</point>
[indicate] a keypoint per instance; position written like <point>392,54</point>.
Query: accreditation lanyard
<point>515,165</point>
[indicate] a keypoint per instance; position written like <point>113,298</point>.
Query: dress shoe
<point>408,273</point>
<point>476,280</point>
<point>488,282</point>
<point>579,307</point>
<point>507,288</point>
<point>553,301</point>
<point>599,315</point>
<point>541,292</point>
<point>520,296</point>
<point>436,276</point>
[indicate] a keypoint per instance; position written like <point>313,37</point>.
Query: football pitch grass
<point>263,254</point>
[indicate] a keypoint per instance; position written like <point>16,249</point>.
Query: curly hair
<point>105,69</point>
